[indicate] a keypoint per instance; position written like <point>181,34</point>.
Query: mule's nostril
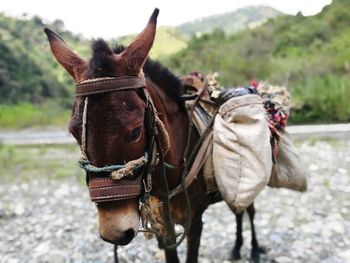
<point>129,235</point>
<point>124,240</point>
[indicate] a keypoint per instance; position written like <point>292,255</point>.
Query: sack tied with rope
<point>250,147</point>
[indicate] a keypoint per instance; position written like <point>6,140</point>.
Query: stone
<point>59,221</point>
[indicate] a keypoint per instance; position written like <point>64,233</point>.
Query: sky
<point>113,18</point>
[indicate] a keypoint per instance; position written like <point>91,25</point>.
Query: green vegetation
<point>34,89</point>
<point>169,40</point>
<point>28,163</point>
<point>311,55</point>
<point>322,98</point>
<point>28,72</point>
<point>25,115</point>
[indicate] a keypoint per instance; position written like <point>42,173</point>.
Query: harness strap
<point>103,85</point>
<point>107,189</point>
<point>198,163</point>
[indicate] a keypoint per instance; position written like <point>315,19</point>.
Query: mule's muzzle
<point>118,221</point>
<point>125,239</point>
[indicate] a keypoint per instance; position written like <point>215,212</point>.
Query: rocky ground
<point>54,221</point>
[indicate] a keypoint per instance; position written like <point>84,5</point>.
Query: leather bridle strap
<point>103,85</point>
<point>107,189</point>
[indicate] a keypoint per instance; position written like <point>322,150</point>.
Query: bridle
<point>115,186</point>
<point>134,178</point>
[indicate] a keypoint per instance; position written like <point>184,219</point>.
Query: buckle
<point>148,188</point>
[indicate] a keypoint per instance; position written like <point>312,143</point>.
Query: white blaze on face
<point>118,222</point>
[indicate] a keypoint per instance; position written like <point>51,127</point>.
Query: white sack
<point>289,171</point>
<point>242,156</point>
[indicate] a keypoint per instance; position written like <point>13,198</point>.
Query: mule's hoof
<point>255,256</point>
<point>261,250</point>
<point>236,255</point>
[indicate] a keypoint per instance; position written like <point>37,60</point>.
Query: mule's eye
<point>135,133</point>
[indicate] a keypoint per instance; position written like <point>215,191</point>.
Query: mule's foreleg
<point>236,251</point>
<point>170,254</point>
<point>193,240</point>
<point>256,249</point>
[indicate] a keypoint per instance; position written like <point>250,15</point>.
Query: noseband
<point>124,181</point>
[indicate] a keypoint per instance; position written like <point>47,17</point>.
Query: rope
<point>163,133</point>
<point>129,168</point>
<point>117,171</point>
<point>164,136</point>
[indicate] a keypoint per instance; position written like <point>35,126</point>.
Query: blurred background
<point>303,45</point>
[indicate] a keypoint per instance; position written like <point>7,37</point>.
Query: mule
<point>111,126</point>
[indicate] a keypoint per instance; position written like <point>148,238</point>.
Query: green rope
<point>87,166</point>
<point>169,166</point>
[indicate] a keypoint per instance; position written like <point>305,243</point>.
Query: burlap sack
<point>241,151</point>
<point>289,171</point>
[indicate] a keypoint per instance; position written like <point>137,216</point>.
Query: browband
<point>103,85</point>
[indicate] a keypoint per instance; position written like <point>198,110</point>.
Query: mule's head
<point>115,131</point>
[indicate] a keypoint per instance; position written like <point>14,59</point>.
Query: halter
<point>123,182</point>
<point>116,186</point>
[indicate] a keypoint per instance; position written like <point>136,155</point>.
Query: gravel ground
<point>54,221</point>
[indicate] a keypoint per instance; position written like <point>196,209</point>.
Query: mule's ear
<point>136,53</point>
<point>65,56</point>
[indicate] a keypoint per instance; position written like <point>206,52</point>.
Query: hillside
<point>230,22</point>
<point>169,40</point>
<point>27,69</point>
<point>311,55</point>
<point>28,72</point>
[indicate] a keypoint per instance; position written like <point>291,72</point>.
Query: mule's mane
<point>161,76</point>
<point>101,65</point>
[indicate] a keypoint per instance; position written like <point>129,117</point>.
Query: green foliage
<point>234,56</point>
<point>25,163</point>
<point>310,55</point>
<point>169,40</point>
<point>26,115</point>
<point>322,98</point>
<point>28,71</point>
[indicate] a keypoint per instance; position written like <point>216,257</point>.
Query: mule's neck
<point>175,120</point>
